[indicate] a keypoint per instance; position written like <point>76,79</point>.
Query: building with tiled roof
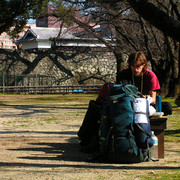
<point>42,37</point>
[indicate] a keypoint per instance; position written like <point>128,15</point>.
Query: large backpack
<point>88,132</point>
<point>117,135</point>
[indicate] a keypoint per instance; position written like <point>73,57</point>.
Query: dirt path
<point>40,142</point>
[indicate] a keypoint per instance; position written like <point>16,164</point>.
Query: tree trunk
<point>174,51</point>
<point>120,61</point>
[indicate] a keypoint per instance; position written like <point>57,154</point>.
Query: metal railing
<point>50,89</point>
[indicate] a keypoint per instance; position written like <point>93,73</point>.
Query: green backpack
<point>117,141</point>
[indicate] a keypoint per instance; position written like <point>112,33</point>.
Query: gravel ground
<point>40,142</point>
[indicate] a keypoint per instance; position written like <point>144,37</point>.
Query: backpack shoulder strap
<point>131,90</point>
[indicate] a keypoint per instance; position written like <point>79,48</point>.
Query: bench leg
<point>160,136</point>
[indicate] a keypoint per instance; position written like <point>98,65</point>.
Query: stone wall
<point>69,65</point>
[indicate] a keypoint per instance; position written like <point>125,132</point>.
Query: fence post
<point>3,85</point>
<point>36,82</point>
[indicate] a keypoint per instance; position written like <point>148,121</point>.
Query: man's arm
<point>153,95</point>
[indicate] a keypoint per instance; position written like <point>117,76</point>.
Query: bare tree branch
<point>157,18</point>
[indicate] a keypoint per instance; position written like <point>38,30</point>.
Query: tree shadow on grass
<point>89,165</point>
<point>35,109</point>
<point>66,151</point>
<point>59,154</point>
<point>172,132</point>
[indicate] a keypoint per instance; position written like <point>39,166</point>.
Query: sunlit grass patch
<point>163,175</point>
<point>65,98</point>
<point>172,133</point>
<point>51,119</point>
<point>46,98</point>
<point>174,102</point>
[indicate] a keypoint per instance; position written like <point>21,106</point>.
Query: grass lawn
<point>172,133</point>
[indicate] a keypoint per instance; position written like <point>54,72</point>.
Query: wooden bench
<point>158,124</point>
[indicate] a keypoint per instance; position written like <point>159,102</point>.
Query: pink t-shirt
<point>149,82</point>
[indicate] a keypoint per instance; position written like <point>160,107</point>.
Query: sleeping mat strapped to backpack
<point>117,136</point>
<point>142,129</point>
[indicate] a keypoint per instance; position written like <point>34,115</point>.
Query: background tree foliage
<point>16,13</point>
<point>132,25</point>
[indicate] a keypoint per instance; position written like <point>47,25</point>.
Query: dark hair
<point>139,58</point>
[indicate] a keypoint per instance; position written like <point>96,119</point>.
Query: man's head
<point>138,63</point>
